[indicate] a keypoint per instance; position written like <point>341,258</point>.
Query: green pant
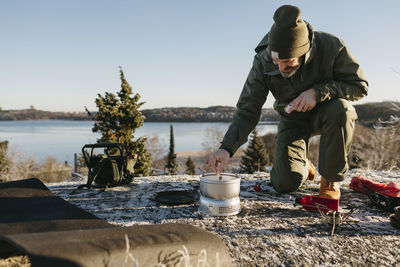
<point>334,120</point>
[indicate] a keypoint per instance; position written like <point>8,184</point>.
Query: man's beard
<point>290,73</point>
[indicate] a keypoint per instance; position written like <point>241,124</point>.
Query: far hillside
<point>368,114</point>
<point>35,114</point>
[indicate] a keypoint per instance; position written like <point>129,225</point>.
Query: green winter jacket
<point>329,67</point>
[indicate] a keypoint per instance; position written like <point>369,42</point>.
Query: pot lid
<point>225,178</point>
<point>177,197</point>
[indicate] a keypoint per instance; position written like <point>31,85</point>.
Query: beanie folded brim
<point>291,52</point>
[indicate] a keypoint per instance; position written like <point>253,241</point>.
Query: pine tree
<point>117,119</point>
<point>255,158</point>
<point>191,168</point>
<point>171,157</point>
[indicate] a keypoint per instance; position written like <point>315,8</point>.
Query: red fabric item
<point>363,185</point>
<point>318,203</point>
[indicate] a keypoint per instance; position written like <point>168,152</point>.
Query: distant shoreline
<point>146,121</point>
<point>182,114</point>
<point>368,114</point>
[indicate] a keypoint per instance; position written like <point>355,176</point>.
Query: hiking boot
<point>329,189</point>
<point>394,222</point>
<point>312,172</point>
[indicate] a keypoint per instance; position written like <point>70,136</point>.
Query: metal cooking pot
<point>222,187</point>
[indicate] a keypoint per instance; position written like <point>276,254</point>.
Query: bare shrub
<point>159,165</point>
<point>313,149</point>
<point>4,159</point>
<point>156,147</point>
<point>20,167</point>
<point>212,139</point>
<point>49,171</point>
<point>234,162</point>
<point>211,142</point>
<point>269,140</point>
<point>377,148</point>
<point>53,171</point>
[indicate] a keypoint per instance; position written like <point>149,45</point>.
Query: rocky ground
<point>269,231</point>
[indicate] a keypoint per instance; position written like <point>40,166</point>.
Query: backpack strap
<point>91,177</point>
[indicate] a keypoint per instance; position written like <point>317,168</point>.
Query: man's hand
<point>304,102</point>
<point>218,159</point>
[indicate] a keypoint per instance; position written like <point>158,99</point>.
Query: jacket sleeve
<point>248,110</point>
<point>348,80</point>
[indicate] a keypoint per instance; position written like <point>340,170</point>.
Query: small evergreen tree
<point>255,157</point>
<point>117,119</point>
<point>171,157</point>
<point>191,168</point>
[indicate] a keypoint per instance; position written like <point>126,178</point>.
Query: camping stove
<point>219,207</point>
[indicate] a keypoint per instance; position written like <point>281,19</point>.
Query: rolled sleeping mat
<point>145,245</point>
<point>52,232</point>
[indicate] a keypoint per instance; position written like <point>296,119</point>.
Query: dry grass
<point>372,148</point>
<point>270,138</point>
<point>50,170</point>
<point>15,261</point>
<point>377,148</point>
<point>211,142</point>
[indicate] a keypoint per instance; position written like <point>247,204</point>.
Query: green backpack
<point>111,168</point>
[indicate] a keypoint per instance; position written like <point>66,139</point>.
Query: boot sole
<point>397,213</point>
<point>394,222</point>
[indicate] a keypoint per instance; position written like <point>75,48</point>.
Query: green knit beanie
<point>289,34</point>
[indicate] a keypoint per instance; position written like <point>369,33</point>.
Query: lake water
<point>59,138</point>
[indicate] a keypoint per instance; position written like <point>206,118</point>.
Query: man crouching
<point>312,76</point>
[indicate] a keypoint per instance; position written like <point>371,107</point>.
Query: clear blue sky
<point>57,55</point>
